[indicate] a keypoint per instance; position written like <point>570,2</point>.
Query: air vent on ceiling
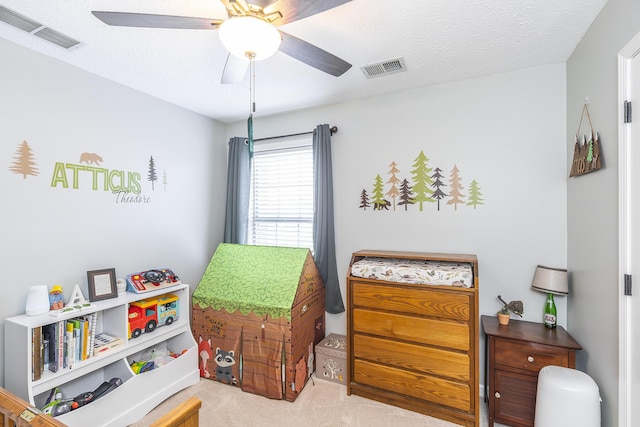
<point>14,19</point>
<point>383,68</point>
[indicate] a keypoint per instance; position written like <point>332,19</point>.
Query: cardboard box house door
<point>258,312</point>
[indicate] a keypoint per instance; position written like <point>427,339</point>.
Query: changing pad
<point>414,271</point>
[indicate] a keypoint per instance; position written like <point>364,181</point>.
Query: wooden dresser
<point>415,346</point>
<point>516,353</point>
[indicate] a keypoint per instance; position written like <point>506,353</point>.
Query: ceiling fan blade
<point>146,20</point>
<point>293,10</point>
<point>312,55</point>
<point>234,70</point>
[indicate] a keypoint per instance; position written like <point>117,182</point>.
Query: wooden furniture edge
<point>476,351</point>
<point>11,406</point>
<point>431,256</point>
<point>523,330</point>
<point>431,409</point>
<point>186,414</point>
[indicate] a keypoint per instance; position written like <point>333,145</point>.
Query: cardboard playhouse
<point>258,312</point>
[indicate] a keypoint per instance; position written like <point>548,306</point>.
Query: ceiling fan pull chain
<point>250,134</point>
<point>253,85</point>
<point>252,103</point>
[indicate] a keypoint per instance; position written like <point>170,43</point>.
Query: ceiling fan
<point>265,13</point>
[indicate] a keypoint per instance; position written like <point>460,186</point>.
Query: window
<point>281,201</point>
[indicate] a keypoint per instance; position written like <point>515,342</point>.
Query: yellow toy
<point>56,299</point>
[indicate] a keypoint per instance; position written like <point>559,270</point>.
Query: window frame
<point>282,222</point>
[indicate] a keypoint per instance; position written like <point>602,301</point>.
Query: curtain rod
<point>333,129</point>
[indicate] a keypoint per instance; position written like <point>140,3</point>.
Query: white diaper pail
<point>566,397</point>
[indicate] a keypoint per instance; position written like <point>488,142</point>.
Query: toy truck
<point>147,314</point>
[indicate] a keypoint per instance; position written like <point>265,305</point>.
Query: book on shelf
<point>93,320</point>
<point>104,342</point>
<point>60,331</point>
<point>37,359</point>
<point>84,324</point>
<point>68,341</point>
<point>50,334</point>
<point>70,345</point>
<point>62,344</point>
<point>45,353</point>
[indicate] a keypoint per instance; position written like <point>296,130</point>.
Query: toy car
<point>147,314</point>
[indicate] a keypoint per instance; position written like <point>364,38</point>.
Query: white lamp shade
<point>37,300</point>
<point>243,36</point>
<point>550,280</point>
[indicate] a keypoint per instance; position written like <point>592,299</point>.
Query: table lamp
<point>552,281</point>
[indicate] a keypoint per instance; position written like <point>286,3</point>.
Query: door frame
<point>625,407</point>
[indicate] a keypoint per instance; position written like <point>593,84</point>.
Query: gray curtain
<point>236,216</point>
<point>324,243</point>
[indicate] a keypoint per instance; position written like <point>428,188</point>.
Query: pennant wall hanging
<point>586,153</point>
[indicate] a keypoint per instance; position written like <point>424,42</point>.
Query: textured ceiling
<point>440,41</point>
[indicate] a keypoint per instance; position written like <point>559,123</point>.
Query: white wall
<point>54,235</point>
<point>506,131</point>
<point>592,200</point>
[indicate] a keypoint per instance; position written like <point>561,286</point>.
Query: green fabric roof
<point>258,279</point>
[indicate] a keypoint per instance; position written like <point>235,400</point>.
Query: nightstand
<point>515,354</point>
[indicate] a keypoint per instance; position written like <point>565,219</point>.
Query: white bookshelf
<point>138,394</point>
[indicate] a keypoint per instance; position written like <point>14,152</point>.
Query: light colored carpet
<point>320,404</point>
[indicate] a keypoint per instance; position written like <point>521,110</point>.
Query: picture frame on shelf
<point>102,284</point>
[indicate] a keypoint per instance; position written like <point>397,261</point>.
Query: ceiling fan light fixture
<point>247,36</point>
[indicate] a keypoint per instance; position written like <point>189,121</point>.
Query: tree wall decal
<point>456,196</point>
<point>164,179</point>
<point>152,176</point>
<point>426,185</point>
<point>421,180</point>
<point>379,201</point>
<point>393,180</point>
<point>438,184</point>
<point>364,200</point>
<point>24,163</point>
<point>406,195</point>
<point>475,196</point>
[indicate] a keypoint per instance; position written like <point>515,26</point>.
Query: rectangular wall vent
<point>23,23</point>
<point>383,68</point>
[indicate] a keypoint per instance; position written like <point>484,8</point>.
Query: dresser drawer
<point>414,299</point>
<point>423,359</point>
<point>529,356</point>
<point>425,387</point>
<point>442,333</point>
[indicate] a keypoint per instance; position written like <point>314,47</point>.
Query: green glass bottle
<point>550,318</point>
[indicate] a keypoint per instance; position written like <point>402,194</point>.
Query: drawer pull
<point>530,359</point>
<point>497,395</point>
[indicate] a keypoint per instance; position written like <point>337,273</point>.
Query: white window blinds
<point>281,202</point>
